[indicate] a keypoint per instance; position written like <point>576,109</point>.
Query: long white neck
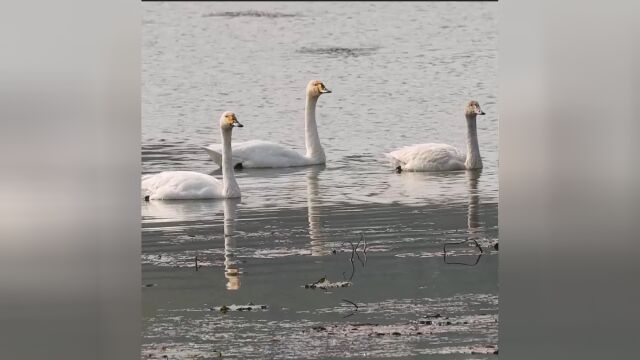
<point>230,186</point>
<point>312,140</point>
<point>473,160</point>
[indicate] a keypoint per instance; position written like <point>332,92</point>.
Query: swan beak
<point>237,124</point>
<point>325,91</point>
<point>481,113</point>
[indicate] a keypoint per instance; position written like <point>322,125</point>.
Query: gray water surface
<point>400,74</point>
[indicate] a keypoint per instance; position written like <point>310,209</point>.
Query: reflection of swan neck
<point>473,160</point>
<point>230,186</point>
<point>318,241</point>
<point>231,270</point>
<point>230,207</point>
<point>473,217</point>
<point>312,139</point>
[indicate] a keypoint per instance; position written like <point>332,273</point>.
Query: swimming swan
<point>182,185</point>
<point>442,157</point>
<point>267,154</point>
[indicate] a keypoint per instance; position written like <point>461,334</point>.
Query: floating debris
<point>249,307</point>
<point>489,349</point>
<point>326,284</point>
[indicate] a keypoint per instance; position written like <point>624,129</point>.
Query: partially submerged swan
<point>182,185</point>
<point>442,157</point>
<point>267,154</point>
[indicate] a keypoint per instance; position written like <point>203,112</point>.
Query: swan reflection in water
<point>231,269</point>
<point>473,218</point>
<point>319,241</point>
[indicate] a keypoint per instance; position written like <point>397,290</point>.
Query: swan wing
<point>174,185</point>
<point>215,153</point>
<point>428,157</point>
<point>259,154</point>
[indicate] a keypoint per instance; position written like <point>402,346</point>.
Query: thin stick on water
<point>444,248</point>
<point>352,303</point>
<point>353,267</point>
<point>356,251</point>
<point>364,250</point>
<point>196,263</point>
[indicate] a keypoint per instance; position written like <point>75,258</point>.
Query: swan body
<point>428,157</point>
<point>442,157</point>
<point>267,154</point>
<point>182,185</point>
<point>261,154</point>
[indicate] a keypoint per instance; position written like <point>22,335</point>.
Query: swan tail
<point>395,162</point>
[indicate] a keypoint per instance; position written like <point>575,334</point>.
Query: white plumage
<point>428,157</point>
<point>442,157</point>
<point>260,154</point>
<point>267,154</point>
<point>181,185</point>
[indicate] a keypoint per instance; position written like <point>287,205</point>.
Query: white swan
<point>267,154</point>
<point>182,185</point>
<point>442,157</point>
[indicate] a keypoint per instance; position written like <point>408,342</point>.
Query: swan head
<point>473,109</point>
<point>228,121</point>
<point>316,88</point>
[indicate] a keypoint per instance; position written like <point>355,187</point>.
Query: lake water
<point>400,74</point>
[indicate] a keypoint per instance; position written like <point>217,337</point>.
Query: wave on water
<point>249,13</point>
<point>339,51</point>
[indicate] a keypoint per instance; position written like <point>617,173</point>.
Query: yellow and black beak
<point>235,122</point>
<point>324,90</point>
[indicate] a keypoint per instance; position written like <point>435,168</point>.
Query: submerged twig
<point>461,263</point>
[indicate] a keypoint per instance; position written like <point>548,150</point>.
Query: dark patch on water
<point>339,51</point>
<point>249,13</point>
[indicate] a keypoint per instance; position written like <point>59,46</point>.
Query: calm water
<point>400,74</point>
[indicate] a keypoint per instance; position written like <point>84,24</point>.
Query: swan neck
<point>473,160</point>
<point>312,139</point>
<point>230,186</point>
